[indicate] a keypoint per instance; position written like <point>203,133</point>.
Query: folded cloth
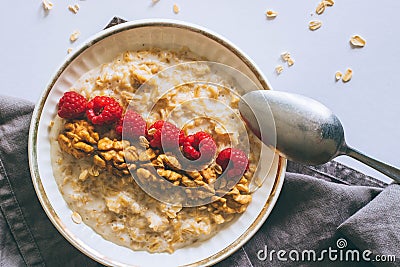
<point>27,237</point>
<point>319,210</point>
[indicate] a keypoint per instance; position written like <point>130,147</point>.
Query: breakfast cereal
<point>99,172</point>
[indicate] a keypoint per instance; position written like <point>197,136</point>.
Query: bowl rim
<point>34,125</point>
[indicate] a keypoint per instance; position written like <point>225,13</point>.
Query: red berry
<point>234,161</point>
<point>166,136</point>
<point>134,125</point>
<point>199,145</point>
<point>103,110</point>
<point>72,105</point>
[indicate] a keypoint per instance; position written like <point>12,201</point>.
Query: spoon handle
<point>384,168</point>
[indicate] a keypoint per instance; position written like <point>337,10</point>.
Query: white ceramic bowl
<point>102,48</point>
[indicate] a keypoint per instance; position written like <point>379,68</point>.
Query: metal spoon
<point>306,131</point>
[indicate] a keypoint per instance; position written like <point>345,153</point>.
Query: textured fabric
<point>335,172</point>
<point>306,217</point>
<point>312,213</point>
<point>376,226</point>
<point>27,236</point>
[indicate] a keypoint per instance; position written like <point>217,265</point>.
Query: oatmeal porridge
<point>106,140</point>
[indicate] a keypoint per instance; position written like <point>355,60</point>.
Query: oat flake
<point>74,36</point>
<point>76,218</point>
<point>285,56</point>
<point>73,8</point>
<point>47,5</point>
<point>176,9</point>
<point>320,8</point>
<point>357,41</point>
<point>338,75</point>
<point>271,14</point>
<point>314,25</point>
<point>279,69</point>
<point>347,75</point>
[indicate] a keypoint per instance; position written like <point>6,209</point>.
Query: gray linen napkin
<point>27,237</point>
<point>312,213</point>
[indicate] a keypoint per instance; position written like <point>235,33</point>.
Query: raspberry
<point>72,105</point>
<point>200,145</point>
<point>166,135</point>
<point>234,161</point>
<point>134,125</point>
<point>103,110</point>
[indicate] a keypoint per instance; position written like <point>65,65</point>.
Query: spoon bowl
<point>306,130</point>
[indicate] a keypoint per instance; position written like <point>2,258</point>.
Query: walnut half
<point>117,157</point>
<point>78,139</point>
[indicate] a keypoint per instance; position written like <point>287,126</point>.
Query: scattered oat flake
<point>279,69</point>
<point>320,8</point>
<point>73,8</point>
<point>347,75</point>
<point>314,25</point>
<point>338,75</point>
<point>176,9</point>
<point>155,1</point>
<point>357,41</point>
<point>271,14</point>
<point>76,218</point>
<point>69,50</point>
<point>285,56</point>
<point>329,2</point>
<point>47,5</point>
<point>74,36</point>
